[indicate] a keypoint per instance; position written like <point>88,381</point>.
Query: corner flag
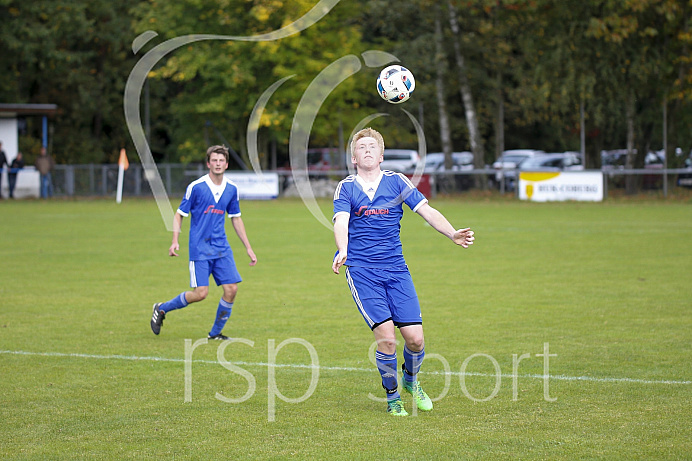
<point>122,162</point>
<point>123,165</point>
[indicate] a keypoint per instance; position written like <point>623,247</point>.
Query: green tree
<point>73,54</point>
<point>220,81</point>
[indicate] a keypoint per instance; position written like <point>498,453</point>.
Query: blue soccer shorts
<point>223,269</point>
<point>384,294</point>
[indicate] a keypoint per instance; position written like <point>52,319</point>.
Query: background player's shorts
<point>223,269</point>
<point>384,294</point>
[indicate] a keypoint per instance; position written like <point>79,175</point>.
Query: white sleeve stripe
<point>407,181</point>
<point>420,204</point>
<point>182,213</point>
<point>339,213</point>
<point>235,215</point>
<point>337,192</point>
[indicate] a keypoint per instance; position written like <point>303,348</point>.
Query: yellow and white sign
<point>560,186</point>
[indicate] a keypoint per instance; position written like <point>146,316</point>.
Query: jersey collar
<point>216,191</point>
<point>370,188</point>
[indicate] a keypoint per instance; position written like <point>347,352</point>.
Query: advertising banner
<point>560,186</point>
<point>252,186</point>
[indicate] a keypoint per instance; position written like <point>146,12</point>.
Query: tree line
<point>491,74</point>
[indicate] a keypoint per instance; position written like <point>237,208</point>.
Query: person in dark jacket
<point>16,165</point>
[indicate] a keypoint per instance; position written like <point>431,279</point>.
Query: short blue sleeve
<point>342,197</point>
<point>412,196</point>
<point>186,203</point>
<point>233,208</point>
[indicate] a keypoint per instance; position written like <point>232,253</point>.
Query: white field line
<point>325,368</point>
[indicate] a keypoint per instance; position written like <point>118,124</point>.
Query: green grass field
<point>605,286</point>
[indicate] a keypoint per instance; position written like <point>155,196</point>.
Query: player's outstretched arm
<point>341,238</point>
<point>177,226</point>
<point>462,237</point>
<point>239,227</point>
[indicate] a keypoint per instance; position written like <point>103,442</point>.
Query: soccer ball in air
<point>395,84</point>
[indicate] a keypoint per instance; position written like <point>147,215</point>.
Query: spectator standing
<point>44,165</point>
<point>3,162</point>
<point>16,165</point>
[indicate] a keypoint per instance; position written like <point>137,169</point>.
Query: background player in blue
<point>368,208</point>
<point>207,200</point>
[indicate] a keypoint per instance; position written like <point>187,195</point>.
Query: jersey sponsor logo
<point>365,211</point>
<point>212,210</point>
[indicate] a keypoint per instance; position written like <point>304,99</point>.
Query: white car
<point>435,161</point>
<point>399,160</point>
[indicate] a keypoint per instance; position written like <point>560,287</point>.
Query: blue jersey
<point>374,224</point>
<point>208,204</point>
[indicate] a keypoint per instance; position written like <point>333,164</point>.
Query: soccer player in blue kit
<point>368,208</point>
<point>207,200</point>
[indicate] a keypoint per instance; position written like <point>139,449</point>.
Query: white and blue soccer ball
<point>395,84</point>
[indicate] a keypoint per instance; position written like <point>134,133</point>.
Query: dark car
<point>614,160</point>
<point>685,179</point>
<point>507,164</point>
<point>461,161</point>
<point>567,161</point>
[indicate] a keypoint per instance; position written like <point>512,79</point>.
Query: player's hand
<point>464,237</point>
<point>251,255</point>
<point>172,250</point>
<point>339,261</point>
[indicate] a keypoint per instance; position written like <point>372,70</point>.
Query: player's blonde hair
<point>367,133</point>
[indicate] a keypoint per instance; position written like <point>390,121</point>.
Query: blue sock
<point>412,363</point>
<point>176,303</point>
<point>387,365</point>
<point>223,313</point>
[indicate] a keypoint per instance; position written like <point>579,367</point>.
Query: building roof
<point>12,110</point>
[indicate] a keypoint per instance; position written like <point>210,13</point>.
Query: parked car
<point>505,166</point>
<point>323,159</point>
<point>567,161</point>
<point>400,160</point>
<point>435,161</point>
<point>320,159</point>
<point>614,159</point>
<point>461,161</point>
<point>685,179</point>
<point>617,160</point>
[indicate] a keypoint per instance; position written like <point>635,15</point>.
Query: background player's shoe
<point>157,319</point>
<point>219,337</point>
<point>423,402</point>
<point>396,408</point>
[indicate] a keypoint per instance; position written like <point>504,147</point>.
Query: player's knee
<point>201,293</point>
<point>416,343</point>
<point>229,292</point>
<point>386,345</point>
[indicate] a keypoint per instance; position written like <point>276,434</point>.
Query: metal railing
<point>101,180</point>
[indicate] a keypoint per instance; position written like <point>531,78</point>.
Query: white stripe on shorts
<point>193,276</point>
<point>356,298</point>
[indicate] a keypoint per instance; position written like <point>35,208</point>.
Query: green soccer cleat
<point>396,408</point>
<point>423,402</point>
